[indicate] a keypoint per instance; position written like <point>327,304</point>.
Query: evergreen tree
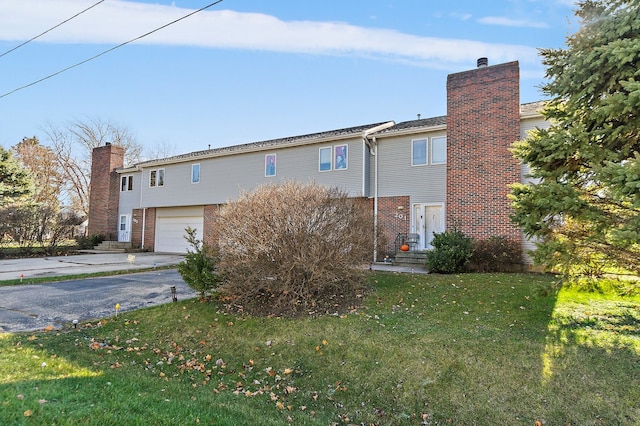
<point>14,179</point>
<point>584,204</point>
<point>198,269</point>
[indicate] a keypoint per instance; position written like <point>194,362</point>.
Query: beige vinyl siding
<point>130,200</point>
<point>223,178</point>
<point>525,126</point>
<point>530,124</point>
<point>367,174</point>
<point>396,175</point>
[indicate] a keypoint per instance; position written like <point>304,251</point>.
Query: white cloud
<point>508,22</point>
<point>462,16</point>
<point>117,21</point>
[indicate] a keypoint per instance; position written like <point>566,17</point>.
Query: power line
<point>110,50</point>
<point>50,29</point>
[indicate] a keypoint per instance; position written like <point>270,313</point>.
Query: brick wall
<point>104,195</point>
<point>392,221</point>
<point>150,229</point>
<point>483,120</point>
<point>149,224</point>
<point>136,228</point>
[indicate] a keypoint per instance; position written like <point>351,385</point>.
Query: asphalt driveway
<point>34,307</point>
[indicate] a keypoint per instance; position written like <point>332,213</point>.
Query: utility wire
<point>110,50</point>
<point>50,29</point>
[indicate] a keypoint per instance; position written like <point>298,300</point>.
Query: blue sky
<point>251,70</point>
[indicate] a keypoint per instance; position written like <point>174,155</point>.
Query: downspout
<point>375,201</point>
<point>144,224</point>
<point>373,148</point>
<point>144,211</point>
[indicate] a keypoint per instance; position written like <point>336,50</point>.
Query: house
<point>421,176</point>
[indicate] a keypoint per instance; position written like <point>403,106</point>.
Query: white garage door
<point>171,225</point>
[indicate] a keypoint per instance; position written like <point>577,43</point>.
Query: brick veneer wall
<point>136,228</point>
<point>483,120</point>
<point>392,221</point>
<point>149,223</point>
<point>150,229</point>
<point>104,195</point>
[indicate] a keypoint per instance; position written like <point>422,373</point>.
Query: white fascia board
<point>412,131</point>
<point>126,170</point>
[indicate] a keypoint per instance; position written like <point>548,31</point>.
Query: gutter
<point>373,148</point>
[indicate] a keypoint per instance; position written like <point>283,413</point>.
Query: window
<point>270,165</point>
<point>156,178</point>
<point>195,173</point>
<point>418,152</point>
<point>325,159</point>
<point>341,157</point>
<point>127,183</point>
<point>439,150</point>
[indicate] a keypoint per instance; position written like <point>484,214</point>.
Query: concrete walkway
<point>55,266</point>
<point>399,268</point>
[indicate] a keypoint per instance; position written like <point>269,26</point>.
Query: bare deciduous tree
<point>292,247</point>
<point>159,150</point>
<point>73,146</point>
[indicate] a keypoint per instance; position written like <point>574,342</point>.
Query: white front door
<point>427,219</point>
<point>124,228</point>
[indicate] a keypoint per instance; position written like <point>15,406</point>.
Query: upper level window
<point>341,157</point>
<point>126,183</point>
<point>325,159</point>
<point>439,150</point>
<point>418,152</point>
<point>156,178</point>
<point>422,153</point>
<point>195,173</point>
<point>270,165</point>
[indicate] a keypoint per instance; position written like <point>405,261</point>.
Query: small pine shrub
<point>198,269</point>
<point>496,254</point>
<point>85,243</point>
<point>451,253</point>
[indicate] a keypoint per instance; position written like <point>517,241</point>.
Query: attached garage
<point>171,224</point>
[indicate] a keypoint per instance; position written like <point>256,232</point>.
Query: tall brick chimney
<point>104,193</point>
<point>483,120</point>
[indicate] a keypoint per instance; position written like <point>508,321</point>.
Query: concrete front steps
<point>113,246</point>
<point>410,258</point>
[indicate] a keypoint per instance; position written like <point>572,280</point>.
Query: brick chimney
<point>104,193</point>
<point>483,120</point>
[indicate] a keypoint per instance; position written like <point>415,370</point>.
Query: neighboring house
<point>422,176</point>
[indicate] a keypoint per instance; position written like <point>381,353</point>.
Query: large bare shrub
<point>289,248</point>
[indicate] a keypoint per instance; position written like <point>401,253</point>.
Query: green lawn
<point>493,349</point>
